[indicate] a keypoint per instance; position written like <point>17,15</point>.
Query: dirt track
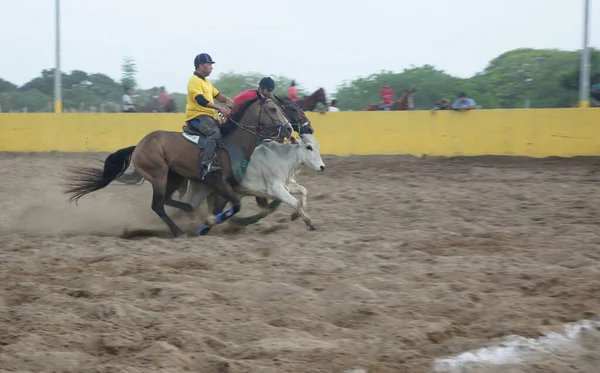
<point>417,259</point>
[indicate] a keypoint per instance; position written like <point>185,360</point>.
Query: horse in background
<point>406,102</point>
<point>152,106</point>
<point>308,103</point>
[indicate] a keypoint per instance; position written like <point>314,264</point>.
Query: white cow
<point>271,169</point>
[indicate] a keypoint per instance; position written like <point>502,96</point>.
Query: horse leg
<point>262,203</point>
<point>158,205</point>
<point>174,182</point>
<point>214,205</point>
<point>196,192</point>
<point>279,191</point>
<point>222,188</point>
<point>154,168</point>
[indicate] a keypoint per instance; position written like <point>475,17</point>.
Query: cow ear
<point>293,140</point>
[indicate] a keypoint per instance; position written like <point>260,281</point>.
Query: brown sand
<point>418,259</point>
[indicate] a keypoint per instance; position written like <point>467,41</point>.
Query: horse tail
<point>88,179</point>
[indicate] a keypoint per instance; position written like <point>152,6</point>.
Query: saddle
<point>191,130</point>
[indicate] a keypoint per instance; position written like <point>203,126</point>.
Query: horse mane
<point>230,124</point>
<point>316,92</point>
<point>283,99</point>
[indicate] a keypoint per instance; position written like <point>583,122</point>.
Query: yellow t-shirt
<point>200,86</point>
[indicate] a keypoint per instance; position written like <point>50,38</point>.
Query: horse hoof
<point>202,231</point>
<point>313,227</point>
<point>295,216</point>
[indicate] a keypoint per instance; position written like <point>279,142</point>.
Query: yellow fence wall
<point>526,132</point>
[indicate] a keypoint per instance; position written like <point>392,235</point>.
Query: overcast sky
<point>320,43</point>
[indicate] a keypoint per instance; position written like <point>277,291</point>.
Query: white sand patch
<point>516,349</point>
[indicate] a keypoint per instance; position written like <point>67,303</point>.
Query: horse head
<point>263,118</point>
<point>319,95</point>
<point>403,101</point>
<point>298,119</point>
<point>170,106</point>
<point>310,102</point>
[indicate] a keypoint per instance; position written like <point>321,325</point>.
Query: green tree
<point>532,74</point>
<point>32,99</point>
<point>128,73</point>
<point>6,86</point>
<point>570,80</point>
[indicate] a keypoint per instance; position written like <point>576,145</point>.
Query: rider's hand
<point>229,102</point>
<point>225,110</point>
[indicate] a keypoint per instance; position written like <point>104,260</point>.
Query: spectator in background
<point>128,105</point>
<point>387,96</point>
<point>442,104</point>
<point>153,94</point>
<point>163,98</point>
<point>463,103</point>
<point>293,91</point>
<point>333,106</point>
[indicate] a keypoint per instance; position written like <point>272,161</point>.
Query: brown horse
<point>300,124</point>
<point>166,159</point>
<point>152,106</point>
<point>405,102</point>
<point>309,103</point>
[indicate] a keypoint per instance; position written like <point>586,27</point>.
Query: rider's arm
<point>221,97</point>
<point>202,101</point>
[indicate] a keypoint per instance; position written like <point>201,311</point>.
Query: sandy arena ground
<point>417,259</point>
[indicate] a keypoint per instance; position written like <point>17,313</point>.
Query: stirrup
<point>206,169</point>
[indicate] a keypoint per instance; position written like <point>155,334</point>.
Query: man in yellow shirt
<point>201,111</point>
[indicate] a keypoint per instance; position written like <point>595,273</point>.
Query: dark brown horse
<point>166,159</point>
<point>152,106</point>
<point>309,103</point>
<point>405,102</point>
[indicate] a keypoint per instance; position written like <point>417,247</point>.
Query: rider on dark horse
<point>201,111</point>
<point>266,86</point>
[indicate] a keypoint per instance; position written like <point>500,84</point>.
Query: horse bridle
<point>261,128</point>
<point>299,125</point>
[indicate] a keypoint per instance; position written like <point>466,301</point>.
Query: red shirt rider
<point>387,94</point>
<point>265,87</point>
<point>293,92</point>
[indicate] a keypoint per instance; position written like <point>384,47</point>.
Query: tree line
<point>546,78</point>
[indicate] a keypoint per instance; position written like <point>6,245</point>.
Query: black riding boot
<point>210,161</point>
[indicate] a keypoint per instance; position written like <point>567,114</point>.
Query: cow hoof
<point>295,216</point>
<point>313,227</point>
